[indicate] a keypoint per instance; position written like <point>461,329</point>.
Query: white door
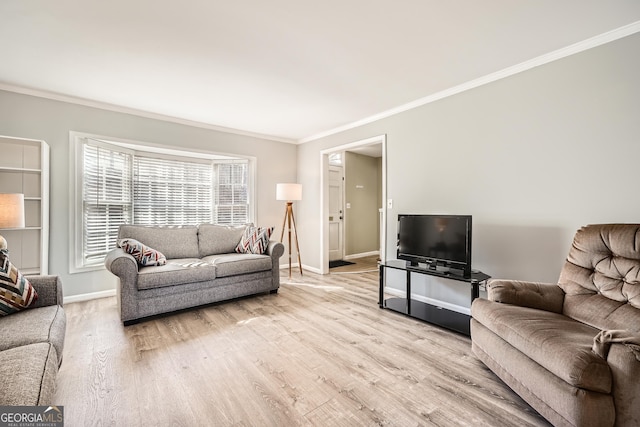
<point>336,215</point>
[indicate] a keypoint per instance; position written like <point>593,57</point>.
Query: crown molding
<point>135,112</point>
<point>587,44</point>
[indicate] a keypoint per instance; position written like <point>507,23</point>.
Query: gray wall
<point>362,188</point>
<point>532,157</point>
<point>31,117</point>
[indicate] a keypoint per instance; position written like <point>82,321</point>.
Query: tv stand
<point>425,311</point>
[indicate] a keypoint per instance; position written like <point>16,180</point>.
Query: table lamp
<point>11,214</point>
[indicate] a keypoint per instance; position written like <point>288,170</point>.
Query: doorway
<point>336,212</point>
<point>335,224</point>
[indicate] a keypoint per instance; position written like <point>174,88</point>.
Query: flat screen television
<point>442,242</point>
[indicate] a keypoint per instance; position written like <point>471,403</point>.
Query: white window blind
<point>106,198</point>
<point>172,192</point>
<point>232,192</point>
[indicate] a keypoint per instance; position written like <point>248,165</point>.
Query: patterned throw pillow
<point>16,293</point>
<point>255,240</point>
<point>145,255</point>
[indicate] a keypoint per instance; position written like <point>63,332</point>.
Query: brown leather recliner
<point>571,350</point>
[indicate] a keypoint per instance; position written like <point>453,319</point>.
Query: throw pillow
<point>145,255</point>
<point>255,240</point>
<point>16,293</point>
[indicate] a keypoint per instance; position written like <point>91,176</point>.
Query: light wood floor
<point>319,353</point>
<point>360,265</point>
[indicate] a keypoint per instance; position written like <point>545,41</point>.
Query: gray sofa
<point>202,267</point>
<point>31,346</point>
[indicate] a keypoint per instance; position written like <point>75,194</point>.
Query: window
<point>231,193</point>
<point>106,199</point>
<point>335,159</point>
<point>127,183</point>
<point>171,192</point>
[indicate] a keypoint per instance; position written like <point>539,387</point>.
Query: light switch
<point>348,205</point>
<point>389,203</point>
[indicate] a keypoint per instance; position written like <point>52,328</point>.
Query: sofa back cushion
<point>601,277</point>
<point>218,239</point>
<point>172,242</point>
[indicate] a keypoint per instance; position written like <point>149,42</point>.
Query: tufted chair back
<point>601,277</point>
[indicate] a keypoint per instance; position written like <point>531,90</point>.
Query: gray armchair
<point>572,349</point>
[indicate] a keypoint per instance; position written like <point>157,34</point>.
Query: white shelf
<point>24,168</point>
<point>20,229</point>
<point>19,170</point>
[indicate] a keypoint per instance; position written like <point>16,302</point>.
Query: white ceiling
<point>287,69</point>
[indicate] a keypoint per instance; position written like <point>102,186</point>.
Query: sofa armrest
<point>121,263</point>
<point>125,267</point>
<point>624,361</point>
<point>49,289</point>
<point>275,249</point>
<point>603,341</point>
<point>541,296</point>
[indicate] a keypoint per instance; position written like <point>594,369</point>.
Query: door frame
<point>324,196</point>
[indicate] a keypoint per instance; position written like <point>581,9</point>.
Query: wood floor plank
<point>319,352</point>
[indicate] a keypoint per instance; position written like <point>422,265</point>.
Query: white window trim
<point>76,167</point>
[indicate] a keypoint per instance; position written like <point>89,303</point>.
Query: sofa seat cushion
<point>28,375</point>
<point>176,272</point>
<point>556,342</point>
<point>235,264</point>
<point>37,325</point>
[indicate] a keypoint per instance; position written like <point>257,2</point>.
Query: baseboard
<point>294,268</point>
<point>364,254</point>
<point>311,269</point>
<point>438,303</point>
<point>286,265</point>
<point>89,296</point>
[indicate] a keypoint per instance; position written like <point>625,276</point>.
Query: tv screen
<point>436,240</point>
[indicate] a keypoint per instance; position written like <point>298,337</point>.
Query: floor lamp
<point>11,214</point>
<point>289,193</point>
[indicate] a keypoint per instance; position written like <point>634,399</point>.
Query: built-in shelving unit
<point>24,168</point>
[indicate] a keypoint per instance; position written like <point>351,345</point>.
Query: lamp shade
<point>289,192</point>
<point>11,210</point>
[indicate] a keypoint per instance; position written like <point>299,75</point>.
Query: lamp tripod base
<point>290,220</point>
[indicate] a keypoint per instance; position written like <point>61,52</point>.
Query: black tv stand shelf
<point>437,315</point>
